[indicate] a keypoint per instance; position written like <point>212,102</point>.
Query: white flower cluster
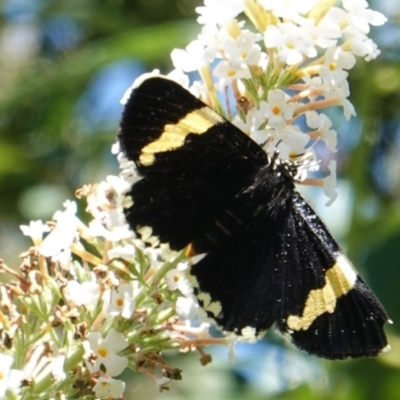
<point>279,60</point>
<point>115,302</point>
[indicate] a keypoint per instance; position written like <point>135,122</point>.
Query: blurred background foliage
<point>64,65</point>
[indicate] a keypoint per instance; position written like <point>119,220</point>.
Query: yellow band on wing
<point>339,280</point>
<point>174,135</point>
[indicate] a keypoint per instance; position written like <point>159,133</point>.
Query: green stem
<point>160,274</point>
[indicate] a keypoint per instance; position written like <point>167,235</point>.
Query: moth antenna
<point>305,154</point>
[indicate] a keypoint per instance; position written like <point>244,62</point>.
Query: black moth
<point>268,258</point>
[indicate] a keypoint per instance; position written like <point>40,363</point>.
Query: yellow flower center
<point>276,110</point>
<point>120,302</point>
<point>232,72</point>
<point>332,66</point>
<point>290,45</point>
<point>102,352</point>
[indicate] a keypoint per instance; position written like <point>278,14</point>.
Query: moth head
<point>297,166</point>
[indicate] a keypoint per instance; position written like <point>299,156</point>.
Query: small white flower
<point>10,379</point>
<point>342,93</point>
<point>251,126</point>
<point>316,84</point>
<point>293,141</point>
<point>348,108</point>
<point>364,47</point>
<point>330,184</point>
<point>323,34</point>
<point>276,109</point>
<point>323,125</point>
<point>243,49</point>
<point>122,301</point>
<point>261,136</point>
<point>357,23</point>
<point>83,294</point>
<point>35,230</point>
<point>63,234</point>
<point>106,388</point>
<point>335,62</point>
<point>176,279</point>
<point>173,277</point>
<point>105,350</point>
<point>227,73</point>
<point>219,11</point>
<point>105,203</point>
<point>360,16</point>
<point>292,42</point>
<point>193,57</point>
<point>336,58</point>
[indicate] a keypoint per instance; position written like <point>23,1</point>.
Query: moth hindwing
<point>268,257</point>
